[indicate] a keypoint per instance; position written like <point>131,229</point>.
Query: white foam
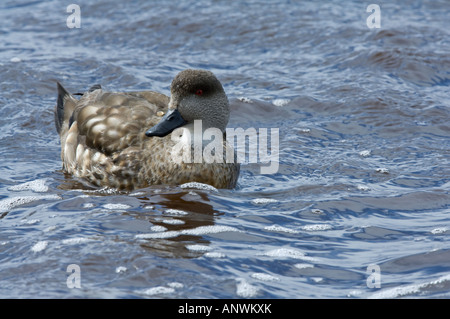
<point>365,153</point>
<point>159,235</point>
<point>116,206</point>
<point>175,285</point>
<point>277,228</point>
<point>121,269</point>
<point>382,170</point>
<point>313,227</point>
<point>363,188</point>
<point>202,230</point>
<point>157,228</point>
<point>173,221</point>
<point>176,212</point>
<point>75,240</point>
<point>245,290</point>
<point>317,227</point>
<point>259,201</point>
<point>439,230</point>
<point>159,290</point>
<point>201,186</point>
<point>9,203</point>
<point>198,247</point>
<point>39,246</point>
<point>303,266</point>
<point>137,194</point>
<point>410,289</point>
<point>15,59</point>
<point>214,254</point>
<point>281,102</point>
<point>264,277</point>
<point>31,221</point>
<point>285,252</point>
<point>37,186</point>
<point>288,253</point>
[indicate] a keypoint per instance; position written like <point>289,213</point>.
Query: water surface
<point>363,177</point>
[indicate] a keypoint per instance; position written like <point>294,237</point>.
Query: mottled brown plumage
<point>103,134</point>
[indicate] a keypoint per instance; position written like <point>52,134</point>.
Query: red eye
<point>199,92</point>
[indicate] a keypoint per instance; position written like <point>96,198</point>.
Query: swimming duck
<point>130,140</point>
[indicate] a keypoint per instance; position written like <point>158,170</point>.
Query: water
<point>359,207</point>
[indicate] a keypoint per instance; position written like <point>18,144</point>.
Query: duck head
<point>195,95</point>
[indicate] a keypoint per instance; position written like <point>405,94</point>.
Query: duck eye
<point>199,92</point>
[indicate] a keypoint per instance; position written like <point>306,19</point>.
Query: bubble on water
<point>176,212</point>
<point>214,254</point>
<point>317,227</point>
<point>303,266</point>
<point>116,206</point>
<point>281,253</point>
<point>137,194</point>
<point>159,235</point>
<point>173,221</point>
<point>200,186</point>
<point>121,269</point>
<point>159,290</point>
<point>285,252</point>
<point>365,153</point>
<point>382,170</point>
<point>439,230</point>
<point>37,186</point>
<point>202,230</point>
<point>413,289</point>
<point>75,240</point>
<point>39,246</point>
<point>158,228</point>
<point>245,290</point>
<point>264,277</point>
<point>262,201</point>
<point>363,188</point>
<point>9,203</point>
<point>175,285</point>
<point>281,102</point>
<point>277,228</point>
<point>198,247</point>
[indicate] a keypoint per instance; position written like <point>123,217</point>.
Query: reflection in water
<point>170,217</point>
<point>175,212</point>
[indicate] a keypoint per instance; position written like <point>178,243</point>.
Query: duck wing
<point>108,122</point>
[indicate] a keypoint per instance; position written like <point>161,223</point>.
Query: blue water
<point>363,181</point>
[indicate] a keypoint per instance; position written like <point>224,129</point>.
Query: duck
<point>133,140</point>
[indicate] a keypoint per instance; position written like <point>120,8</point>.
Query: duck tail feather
<point>59,110</point>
